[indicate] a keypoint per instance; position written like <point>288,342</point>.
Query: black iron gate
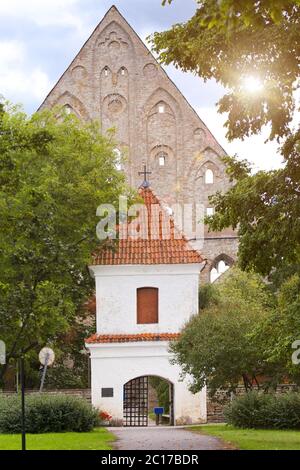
<point>171,404</point>
<point>136,402</point>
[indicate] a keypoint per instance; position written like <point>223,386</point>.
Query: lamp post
<point>22,379</point>
<point>46,357</point>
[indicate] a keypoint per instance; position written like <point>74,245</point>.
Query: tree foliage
<point>54,172</point>
<point>214,347</point>
<point>243,334</point>
<point>277,332</point>
<point>228,41</point>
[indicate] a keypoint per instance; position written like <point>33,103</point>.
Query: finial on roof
<point>145,183</point>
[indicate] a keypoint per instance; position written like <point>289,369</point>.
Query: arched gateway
<point>146,290</point>
<point>141,395</point>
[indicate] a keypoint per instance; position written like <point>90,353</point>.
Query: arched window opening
<point>106,71</point>
<point>161,108</point>
<point>220,268</point>
<point>123,71</point>
<point>213,275</point>
<point>209,176</point>
<point>68,109</point>
<point>147,305</point>
<point>118,159</point>
<point>162,158</point>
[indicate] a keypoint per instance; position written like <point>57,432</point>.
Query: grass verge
<point>252,439</point>
<point>98,439</point>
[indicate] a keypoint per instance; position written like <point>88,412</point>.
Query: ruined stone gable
<point>115,79</point>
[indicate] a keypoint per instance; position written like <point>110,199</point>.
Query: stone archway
<point>219,266</point>
<point>137,405</point>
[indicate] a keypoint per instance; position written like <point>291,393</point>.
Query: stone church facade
<point>115,79</point>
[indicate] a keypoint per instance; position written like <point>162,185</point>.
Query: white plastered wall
<point>113,365</point>
<point>116,291</point>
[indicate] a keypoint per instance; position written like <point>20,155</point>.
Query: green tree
<point>54,173</point>
<point>215,347</point>
<point>265,210</point>
<point>230,41</point>
<point>162,388</point>
<point>277,332</point>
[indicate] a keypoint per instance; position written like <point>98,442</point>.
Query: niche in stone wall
<point>114,105</point>
<point>72,105</point>
<point>199,138</point>
<point>161,125</point>
<point>115,114</point>
<point>106,81</point>
<point>161,158</point>
<point>208,173</point>
<point>79,73</point>
<point>69,110</point>
<point>162,136</point>
<point>121,81</point>
<point>79,76</point>
<point>114,90</point>
<point>150,70</point>
<point>207,159</point>
<point>208,152</point>
<point>113,44</point>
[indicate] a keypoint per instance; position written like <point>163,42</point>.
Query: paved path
<point>164,438</point>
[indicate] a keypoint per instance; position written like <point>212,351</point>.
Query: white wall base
<point>113,365</point>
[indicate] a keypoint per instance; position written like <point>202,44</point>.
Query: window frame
<point>143,317</point>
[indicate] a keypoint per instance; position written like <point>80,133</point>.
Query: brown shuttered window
<point>147,305</point>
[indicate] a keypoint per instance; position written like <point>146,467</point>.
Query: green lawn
<point>252,439</point>
<point>99,439</point>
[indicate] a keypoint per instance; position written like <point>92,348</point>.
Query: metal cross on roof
<point>145,183</point>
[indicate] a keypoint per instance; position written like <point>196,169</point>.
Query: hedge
<point>265,411</point>
<point>47,413</point>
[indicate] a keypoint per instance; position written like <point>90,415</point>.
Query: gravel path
<point>163,438</point>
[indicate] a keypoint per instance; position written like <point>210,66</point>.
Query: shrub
<point>47,413</point>
<point>265,411</point>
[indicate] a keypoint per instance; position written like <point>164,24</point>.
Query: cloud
<point>43,13</point>
<point>17,82</point>
<point>10,52</point>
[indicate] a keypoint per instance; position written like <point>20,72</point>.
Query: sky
<point>39,39</point>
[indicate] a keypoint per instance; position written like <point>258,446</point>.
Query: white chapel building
<point>146,290</point>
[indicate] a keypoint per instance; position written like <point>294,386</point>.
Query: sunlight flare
<point>252,84</point>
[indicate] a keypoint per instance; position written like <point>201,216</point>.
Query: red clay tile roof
<point>132,338</point>
<point>155,248</point>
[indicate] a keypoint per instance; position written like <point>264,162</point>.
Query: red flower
<point>105,416</point>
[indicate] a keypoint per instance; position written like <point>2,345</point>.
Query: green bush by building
<point>265,411</point>
<point>47,413</point>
